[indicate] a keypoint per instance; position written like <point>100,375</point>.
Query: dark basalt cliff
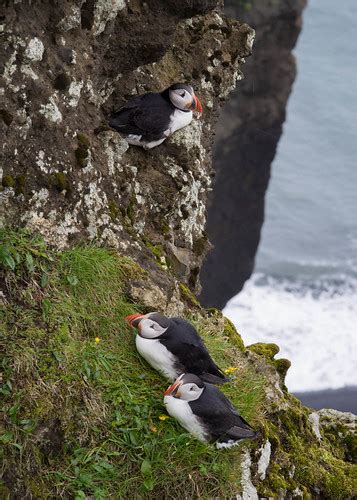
<point>248,132</point>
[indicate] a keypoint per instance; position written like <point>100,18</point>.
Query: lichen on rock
<point>104,12</point>
<point>51,111</point>
<point>34,50</point>
<point>264,460</point>
<point>79,98</point>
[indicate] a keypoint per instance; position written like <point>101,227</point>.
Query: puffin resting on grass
<point>204,411</point>
<point>147,120</point>
<point>172,346</point>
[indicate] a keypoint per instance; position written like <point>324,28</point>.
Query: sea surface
<point>303,293</point>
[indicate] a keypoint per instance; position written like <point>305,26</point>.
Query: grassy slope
<point>83,417</point>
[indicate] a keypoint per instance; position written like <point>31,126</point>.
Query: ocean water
<point>303,294</point>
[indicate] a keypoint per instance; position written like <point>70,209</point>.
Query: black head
<point>190,378</point>
<point>182,86</point>
<point>162,320</point>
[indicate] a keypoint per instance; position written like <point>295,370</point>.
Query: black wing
<point>222,419</point>
<point>183,341</point>
<point>148,114</point>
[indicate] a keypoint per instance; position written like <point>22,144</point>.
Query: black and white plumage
<point>172,346</point>
<point>204,411</point>
<point>147,120</point>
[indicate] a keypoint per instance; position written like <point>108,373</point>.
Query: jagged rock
<point>341,429</point>
<point>128,198</point>
<point>314,419</point>
<point>249,491</point>
<point>264,460</point>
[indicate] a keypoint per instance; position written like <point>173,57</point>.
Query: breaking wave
<point>314,323</point>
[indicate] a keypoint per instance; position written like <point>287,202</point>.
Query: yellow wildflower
<point>97,340</point>
<point>230,369</point>
<point>163,417</point>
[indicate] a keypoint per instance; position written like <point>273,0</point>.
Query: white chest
<point>179,120</point>
<point>157,356</point>
<point>136,141</point>
<point>181,411</point>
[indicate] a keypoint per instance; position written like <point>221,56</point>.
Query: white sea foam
<point>315,325</point>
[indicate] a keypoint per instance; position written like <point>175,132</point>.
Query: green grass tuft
<point>81,408</point>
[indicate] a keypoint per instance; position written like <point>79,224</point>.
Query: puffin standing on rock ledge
<point>204,411</point>
<point>172,346</point>
<point>148,119</point>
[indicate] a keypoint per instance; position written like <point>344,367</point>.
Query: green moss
<point>275,481</point>
<point>82,152</point>
<point>231,331</point>
<point>316,466</point>
<point>60,181</point>
<point>157,250</point>
<point>38,488</point>
<point>166,230</point>
<point>332,476</point>
<point>343,439</point>
<point>337,485</point>
<point>213,311</point>
<point>5,492</point>
<point>270,431</point>
<point>266,350</point>
<point>350,442</point>
<point>20,184</point>
<point>83,140</point>
<point>188,296</point>
<point>269,351</point>
<point>282,365</point>
<point>82,155</point>
<point>159,254</point>
<point>114,210</point>
<point>7,181</point>
<point>130,211</point>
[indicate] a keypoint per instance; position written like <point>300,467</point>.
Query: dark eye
<point>191,389</point>
<point>183,95</point>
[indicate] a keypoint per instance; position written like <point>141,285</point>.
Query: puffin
<point>204,411</point>
<point>147,120</point>
<point>172,346</point>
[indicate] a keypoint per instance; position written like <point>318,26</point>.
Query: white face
<point>149,329</point>
<point>189,392</point>
<point>182,99</point>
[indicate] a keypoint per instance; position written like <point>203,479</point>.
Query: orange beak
<point>197,104</point>
<point>173,388</point>
<point>132,317</point>
<point>170,389</point>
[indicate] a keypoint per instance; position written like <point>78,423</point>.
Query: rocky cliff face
<point>64,173</point>
<point>248,132</point>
